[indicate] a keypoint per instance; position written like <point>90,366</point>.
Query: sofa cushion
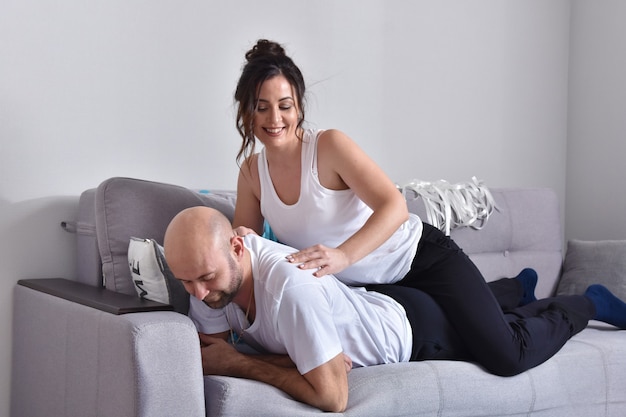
<point>585,378</point>
<point>126,207</point>
<point>598,262</point>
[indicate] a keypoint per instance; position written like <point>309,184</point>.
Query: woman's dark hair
<point>265,60</point>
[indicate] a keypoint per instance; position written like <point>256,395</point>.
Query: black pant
<point>455,314</point>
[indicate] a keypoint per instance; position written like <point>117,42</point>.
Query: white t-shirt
<point>330,217</point>
<point>311,319</point>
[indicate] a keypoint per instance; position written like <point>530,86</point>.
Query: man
<point>298,318</point>
<point>315,329</point>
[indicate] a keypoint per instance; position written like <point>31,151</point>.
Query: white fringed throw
<point>449,206</point>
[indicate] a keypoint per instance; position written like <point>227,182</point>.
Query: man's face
<point>218,298</point>
<point>215,280</point>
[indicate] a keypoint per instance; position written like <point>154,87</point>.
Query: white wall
<point>596,168</point>
<point>431,89</point>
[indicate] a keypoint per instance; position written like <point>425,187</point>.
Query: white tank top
<point>330,217</point>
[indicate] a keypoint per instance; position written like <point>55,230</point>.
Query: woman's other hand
<point>243,230</point>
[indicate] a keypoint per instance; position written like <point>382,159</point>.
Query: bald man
<point>245,285</point>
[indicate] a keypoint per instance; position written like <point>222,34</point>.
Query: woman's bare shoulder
<point>250,167</point>
<point>337,143</point>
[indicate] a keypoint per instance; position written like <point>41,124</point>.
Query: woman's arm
<point>343,164</point>
<point>248,206</point>
<point>325,387</point>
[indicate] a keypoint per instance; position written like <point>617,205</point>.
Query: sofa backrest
<point>121,208</point>
<point>523,232</point>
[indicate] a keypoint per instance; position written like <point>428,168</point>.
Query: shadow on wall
<point>32,245</point>
<point>32,241</point>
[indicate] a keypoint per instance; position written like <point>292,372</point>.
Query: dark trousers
<point>455,314</point>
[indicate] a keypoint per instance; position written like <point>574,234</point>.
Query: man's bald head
<point>192,234</point>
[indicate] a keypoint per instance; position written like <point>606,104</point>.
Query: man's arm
<point>286,362</point>
<point>221,335</point>
<point>278,360</point>
<point>324,387</point>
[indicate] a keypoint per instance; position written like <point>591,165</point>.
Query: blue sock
<point>528,279</point>
<point>609,308</point>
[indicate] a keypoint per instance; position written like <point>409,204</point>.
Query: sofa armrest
<point>70,359</point>
<point>98,298</point>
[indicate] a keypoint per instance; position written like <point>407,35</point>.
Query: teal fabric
<point>268,233</point>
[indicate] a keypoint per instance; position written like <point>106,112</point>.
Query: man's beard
<point>226,297</point>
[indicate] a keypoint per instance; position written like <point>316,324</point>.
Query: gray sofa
<point>81,350</point>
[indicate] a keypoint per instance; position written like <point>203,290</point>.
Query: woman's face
<point>276,114</point>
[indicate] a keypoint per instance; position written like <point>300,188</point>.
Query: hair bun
<point>265,48</point>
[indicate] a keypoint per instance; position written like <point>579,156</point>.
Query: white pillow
<point>151,276</point>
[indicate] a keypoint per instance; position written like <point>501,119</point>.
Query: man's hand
<point>326,260</point>
<point>217,355</point>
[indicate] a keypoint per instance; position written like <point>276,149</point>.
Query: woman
<point>321,194</point>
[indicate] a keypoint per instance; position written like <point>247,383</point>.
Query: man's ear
<point>237,246</point>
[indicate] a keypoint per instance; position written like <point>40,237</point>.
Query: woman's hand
<point>243,230</point>
<point>326,260</point>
